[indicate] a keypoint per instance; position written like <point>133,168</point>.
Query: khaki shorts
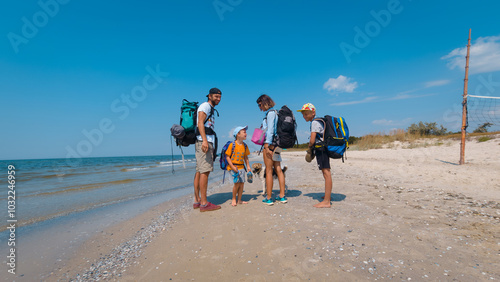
<point>204,161</point>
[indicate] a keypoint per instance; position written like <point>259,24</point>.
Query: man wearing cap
<point>205,148</point>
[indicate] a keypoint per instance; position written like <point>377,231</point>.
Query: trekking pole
<point>172,149</point>
<point>183,163</point>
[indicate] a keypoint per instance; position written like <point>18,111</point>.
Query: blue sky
<point>106,78</point>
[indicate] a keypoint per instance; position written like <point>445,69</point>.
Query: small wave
<point>58,175</point>
<point>175,162</point>
<point>64,213</point>
<point>77,188</point>
<point>125,165</point>
<point>133,169</point>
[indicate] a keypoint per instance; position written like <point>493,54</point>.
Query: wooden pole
<point>464,104</point>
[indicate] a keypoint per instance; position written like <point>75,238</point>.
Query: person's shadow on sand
<point>221,198</point>
<point>318,196</point>
<point>292,193</point>
<point>288,193</point>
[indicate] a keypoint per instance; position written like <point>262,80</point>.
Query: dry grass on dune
<point>401,138</point>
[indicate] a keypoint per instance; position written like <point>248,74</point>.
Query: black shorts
<point>322,159</point>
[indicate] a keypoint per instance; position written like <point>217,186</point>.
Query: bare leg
<point>328,189</point>
<point>203,187</point>
<point>235,192</point>
<point>196,184</point>
<point>240,194</point>
<point>269,176</point>
<point>281,178</point>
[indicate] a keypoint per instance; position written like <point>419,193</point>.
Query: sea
<point>49,188</point>
<point>59,204</point>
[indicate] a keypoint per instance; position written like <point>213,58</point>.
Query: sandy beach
<point>405,214</point>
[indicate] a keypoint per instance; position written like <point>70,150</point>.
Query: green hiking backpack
<point>186,133</point>
<point>188,115</point>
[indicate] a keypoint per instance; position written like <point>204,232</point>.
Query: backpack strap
<point>322,120</point>
<point>234,145</point>
<point>208,130</point>
<point>337,127</point>
<point>269,112</point>
<point>275,127</point>
<point>232,152</point>
<point>212,110</point>
<point>246,147</point>
<point>232,149</point>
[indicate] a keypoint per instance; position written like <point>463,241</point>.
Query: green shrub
<point>483,128</point>
<point>484,139</point>
<point>426,129</point>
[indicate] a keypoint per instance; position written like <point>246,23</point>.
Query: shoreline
<point>43,248</point>
<point>396,213</point>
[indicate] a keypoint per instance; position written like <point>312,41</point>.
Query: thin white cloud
<point>484,56</point>
<point>403,96</point>
<point>383,122</point>
<point>435,83</point>
<point>366,100</point>
<point>427,84</point>
<point>373,99</point>
<point>340,84</point>
<point>408,92</point>
<point>387,122</point>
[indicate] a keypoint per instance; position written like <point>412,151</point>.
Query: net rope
<point>483,109</point>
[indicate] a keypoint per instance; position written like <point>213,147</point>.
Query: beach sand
<point>406,214</point>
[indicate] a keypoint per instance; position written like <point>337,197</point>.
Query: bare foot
<point>233,203</point>
<point>242,202</point>
<point>322,205</point>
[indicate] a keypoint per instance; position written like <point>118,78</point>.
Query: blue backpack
<point>222,159</point>
<point>335,136</point>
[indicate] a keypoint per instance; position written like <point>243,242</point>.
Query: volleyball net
<point>482,110</point>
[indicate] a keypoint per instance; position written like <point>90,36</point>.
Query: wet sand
<point>407,214</point>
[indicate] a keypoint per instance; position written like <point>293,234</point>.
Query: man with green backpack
<point>205,150</point>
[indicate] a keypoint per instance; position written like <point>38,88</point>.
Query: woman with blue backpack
<point>271,152</point>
